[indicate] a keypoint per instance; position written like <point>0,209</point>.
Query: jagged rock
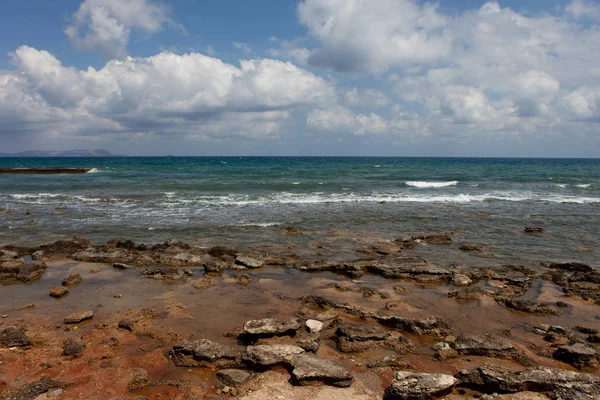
<point>418,386</point>
<point>432,239</point>
<point>220,251</point>
<point>430,326</point>
<point>459,279</point>
<point>33,390</point>
<point>558,383</point>
<point>405,267</point>
<point>314,326</point>
<point>242,278</point>
<point>72,348</point>
<point>214,266</point>
<point>352,337</point>
<point>249,262</point>
<point>126,324</point>
<point>122,266</point>
<point>233,377</point>
<point>327,315</point>
<point>19,270</point>
<point>309,344</point>
<point>471,247</point>
<point>172,274</point>
<point>264,356</point>
<point>59,291</point>
<point>72,279</point>
<point>14,337</point>
<point>533,229</point>
<point>485,345</point>
<point>587,330</point>
<point>205,282</point>
<point>204,353</point>
<point>444,351</point>
<point>535,307</point>
<point>76,318</point>
<point>352,269</point>
<point>578,355</point>
<point>140,379</point>
<point>467,294</point>
<point>270,327</point>
<point>308,369</point>
<point>571,266</point>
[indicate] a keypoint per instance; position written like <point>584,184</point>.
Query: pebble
<point>5,316</point>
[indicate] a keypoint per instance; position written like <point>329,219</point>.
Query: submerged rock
<point>571,267</point>
<point>172,274</point>
<point>353,337</point>
<point>432,239</point>
<point>205,282</point>
<point>308,369</point>
<point>78,317</point>
<point>204,353</point>
<point>72,279</point>
<point>578,355</point>
<point>122,266</point>
<point>535,307</point>
<point>419,386</point>
<point>533,229</point>
<point>14,336</point>
<point>19,270</point>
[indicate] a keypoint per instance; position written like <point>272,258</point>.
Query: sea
<point>252,200</point>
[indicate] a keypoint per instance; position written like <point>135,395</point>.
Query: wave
<point>584,185</point>
<point>424,184</point>
<point>93,170</point>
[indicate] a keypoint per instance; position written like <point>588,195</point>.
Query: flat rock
<point>14,337</point>
<point>249,262</point>
<point>308,369</point>
<point>535,307</point>
<point>419,386</point>
<point>471,247</point>
<point>578,355</point>
<point>428,326</point>
<point>122,266</point>
<point>533,229</point>
<point>485,345</point>
<point>72,279</point>
<point>72,348</point>
<point>264,356</point>
<point>205,282</point>
<point>233,377</point>
<point>327,315</point>
<point>314,326</point>
<point>269,327</point>
<point>59,291</point>
<point>78,317</point>
<point>205,353</point>
<point>33,390</point>
<point>356,337</point>
<point>24,272</point>
<point>571,266</point>
<point>432,239</point>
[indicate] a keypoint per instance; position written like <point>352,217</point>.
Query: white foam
<point>562,185</point>
<point>169,194</point>
<point>424,185</point>
<point>93,170</point>
<point>585,185</point>
<point>295,183</point>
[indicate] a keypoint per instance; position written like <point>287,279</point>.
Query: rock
<point>308,369</point>
<point>21,271</point>
<point>535,307</point>
<point>534,229</point>
<point>248,262</point>
<point>471,247</point>
<point>309,344</point>
<point>72,348</point>
<point>444,351</point>
<point>314,325</point>
<point>220,251</point>
<point>327,315</point>
<point>405,267</point>
<point>459,279</point>
<point>126,324</point>
<point>354,337</point>
<point>571,266</point>
<point>33,390</point>
<point>14,337</point>
<point>558,383</point>
<point>467,294</point>
<point>418,386</point>
<point>270,327</point>
<point>59,291</point>
<point>72,279</point>
<point>139,380</point>
<point>290,230</point>
<point>352,269</point>
<point>265,356</point>
<point>172,274</point>
<point>432,239</point>
<point>587,330</point>
<point>578,355</point>
<point>242,278</point>
<point>205,282</point>
<point>233,377</point>
<point>122,266</point>
<point>485,345</point>
<point>430,326</point>
<point>204,353</point>
<point>76,318</point>
<point>214,266</point>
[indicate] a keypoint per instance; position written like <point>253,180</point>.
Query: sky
<point>310,77</point>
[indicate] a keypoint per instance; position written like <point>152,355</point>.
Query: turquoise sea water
<point>250,199</point>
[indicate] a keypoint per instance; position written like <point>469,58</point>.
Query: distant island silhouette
<point>64,153</point>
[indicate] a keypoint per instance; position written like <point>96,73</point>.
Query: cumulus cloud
<point>105,25</point>
<point>366,97</point>
<point>242,46</point>
<point>164,94</point>
<point>583,9</point>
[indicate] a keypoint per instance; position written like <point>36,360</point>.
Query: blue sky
<point>310,77</point>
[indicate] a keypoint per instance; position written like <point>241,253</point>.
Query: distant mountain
<point>66,153</point>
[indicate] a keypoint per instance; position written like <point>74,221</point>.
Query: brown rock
<point>59,291</point>
<point>78,317</point>
<point>72,279</point>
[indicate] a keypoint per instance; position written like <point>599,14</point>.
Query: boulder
<point>59,291</point>
<point>78,317</point>
<point>204,353</point>
<point>14,337</point>
<point>248,262</point>
<point>419,386</point>
<point>308,369</point>
<point>265,356</point>
<point>72,279</point>
<point>578,355</point>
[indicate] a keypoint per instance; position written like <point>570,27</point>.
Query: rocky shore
<point>171,320</point>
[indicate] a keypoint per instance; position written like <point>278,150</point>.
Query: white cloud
<point>583,9</point>
<point>163,94</point>
<point>366,97</point>
<point>105,25</point>
<point>242,46</point>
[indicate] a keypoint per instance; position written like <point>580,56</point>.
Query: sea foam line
<point>424,184</point>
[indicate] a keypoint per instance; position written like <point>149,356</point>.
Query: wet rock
<point>140,379</point>
<point>78,317</point>
<point>33,390</point>
<point>233,377</point>
<point>270,327</point>
<point>419,386</point>
<point>558,383</point>
<point>459,279</point>
<point>467,294</point>
<point>535,307</point>
<point>265,356</point>
<point>327,315</point>
<point>122,266</point>
<point>571,266</point>
<point>405,267</point>
<point>204,353</point>
<point>325,303</point>
<point>205,282</point>
<point>290,230</point>
<point>14,337</point>
<point>587,330</point>
<point>249,262</point>
<point>485,345</point>
<point>308,369</point>
<point>352,269</point>
<point>471,247</point>
<point>385,248</point>
<point>353,337</point>
<point>171,274</point>
<point>533,229</point>
<point>72,279</point>
<point>58,250</point>
<point>428,326</point>
<point>432,239</point>
<point>578,355</point>
<point>242,278</point>
<point>126,324</point>
<point>59,291</point>
<point>444,351</point>
<point>314,326</point>
<point>214,266</point>
<point>21,271</point>
<point>221,251</point>
<point>309,344</point>
<point>594,338</point>
<point>72,348</point>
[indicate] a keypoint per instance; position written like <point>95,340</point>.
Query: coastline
<point>384,309</point>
